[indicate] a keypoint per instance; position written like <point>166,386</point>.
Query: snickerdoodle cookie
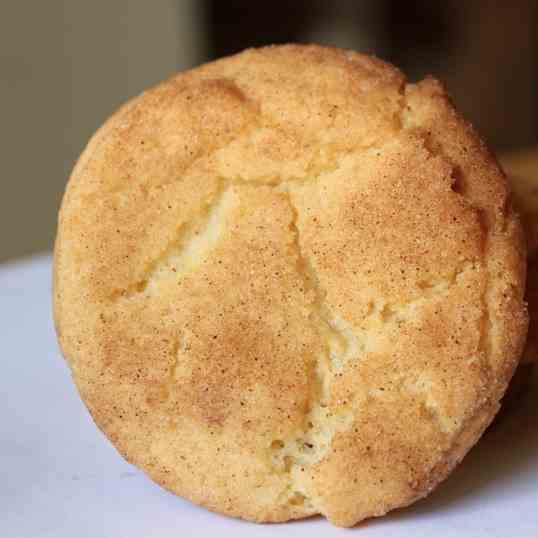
<point>289,282</point>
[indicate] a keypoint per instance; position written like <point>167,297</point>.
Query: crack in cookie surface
<point>320,422</point>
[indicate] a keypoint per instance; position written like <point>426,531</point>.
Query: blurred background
<point>66,65</point>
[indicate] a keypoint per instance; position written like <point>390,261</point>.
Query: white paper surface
<point>60,477</point>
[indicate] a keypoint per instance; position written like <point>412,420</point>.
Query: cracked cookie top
<point>288,283</point>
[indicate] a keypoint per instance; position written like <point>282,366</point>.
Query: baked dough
<point>289,282</point>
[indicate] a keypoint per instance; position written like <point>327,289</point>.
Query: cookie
<point>290,283</point>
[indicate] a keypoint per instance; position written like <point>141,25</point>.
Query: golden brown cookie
<point>289,283</point>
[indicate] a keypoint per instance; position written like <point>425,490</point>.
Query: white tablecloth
<point>60,477</point>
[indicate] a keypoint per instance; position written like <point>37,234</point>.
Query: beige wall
<point>64,67</point>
